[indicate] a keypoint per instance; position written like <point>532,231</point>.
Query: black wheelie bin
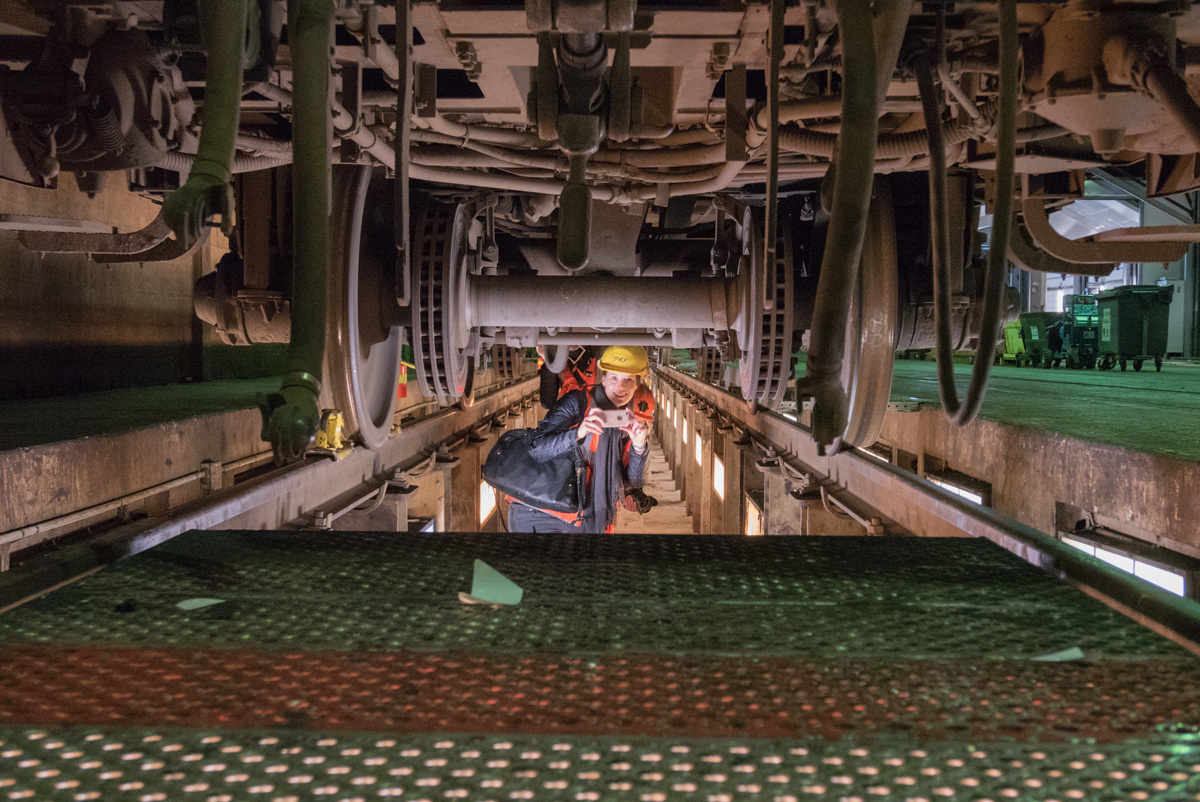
<point>1133,325</point>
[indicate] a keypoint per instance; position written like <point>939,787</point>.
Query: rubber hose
<point>847,227</point>
<point>931,106</point>
<point>310,33</point>
<point>997,264</point>
<point>182,162</point>
<point>889,146</point>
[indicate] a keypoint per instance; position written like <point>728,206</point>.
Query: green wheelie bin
<point>1133,325</point>
<point>1043,341</point>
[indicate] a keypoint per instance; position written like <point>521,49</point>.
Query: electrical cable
<point>994,277</point>
<point>377,503</point>
<point>832,511</point>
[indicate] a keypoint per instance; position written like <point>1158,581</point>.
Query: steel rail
<point>925,509</point>
<point>283,497</point>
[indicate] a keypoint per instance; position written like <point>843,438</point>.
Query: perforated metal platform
<point>343,666</point>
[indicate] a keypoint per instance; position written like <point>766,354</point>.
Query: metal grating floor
<point>342,666</point>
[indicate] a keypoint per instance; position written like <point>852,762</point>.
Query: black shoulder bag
<point>558,484</point>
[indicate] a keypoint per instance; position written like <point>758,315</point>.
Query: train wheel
<point>710,367</point>
<point>506,361</point>
<point>870,335</point>
<point>362,351</point>
<point>441,338</point>
<point>764,335</point>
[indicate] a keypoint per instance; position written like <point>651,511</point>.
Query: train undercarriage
<point>744,179</point>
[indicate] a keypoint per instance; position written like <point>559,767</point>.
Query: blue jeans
<point>523,518</point>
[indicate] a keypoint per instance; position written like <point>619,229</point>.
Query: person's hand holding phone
<point>593,423</point>
<point>639,432</point>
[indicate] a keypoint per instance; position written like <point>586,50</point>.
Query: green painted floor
<point>1145,411</point>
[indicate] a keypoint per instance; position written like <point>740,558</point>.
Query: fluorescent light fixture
<point>699,448</point>
<point>790,416</point>
<point>962,492</point>
<point>487,501</point>
<point>1122,561</point>
<point>1167,580</point>
<point>754,519</point>
<point>1164,578</point>
<point>685,431</point>
<point>719,476</point>
<point>1082,545</point>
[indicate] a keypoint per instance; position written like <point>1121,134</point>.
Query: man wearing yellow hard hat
<point>614,445</point>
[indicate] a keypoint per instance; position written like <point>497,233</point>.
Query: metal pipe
<point>14,536</point>
<point>689,156</point>
<point>967,104</point>
<point>1164,85</point>
<point>371,140</point>
<point>722,180</point>
<point>599,301</point>
<point>691,136</point>
<point>208,191</point>
<point>482,133</point>
<point>847,226</point>
<point>292,423</point>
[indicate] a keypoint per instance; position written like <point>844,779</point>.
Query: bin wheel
<point>1158,360</point>
<point>1058,362</point>
<point>1072,362</point>
<point>1107,362</point>
<point>1123,361</point>
<point>1137,364</point>
<point>1089,363</point>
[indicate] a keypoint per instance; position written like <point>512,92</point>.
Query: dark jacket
<point>556,435</point>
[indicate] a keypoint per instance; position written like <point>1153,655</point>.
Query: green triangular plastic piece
<point>1074,653</point>
<point>196,604</point>
<point>489,585</point>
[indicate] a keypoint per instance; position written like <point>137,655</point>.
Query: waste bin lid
<point>1137,289</point>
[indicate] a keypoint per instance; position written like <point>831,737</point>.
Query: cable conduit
<point>182,162</point>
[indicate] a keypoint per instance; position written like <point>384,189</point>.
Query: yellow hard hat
<point>624,359</point>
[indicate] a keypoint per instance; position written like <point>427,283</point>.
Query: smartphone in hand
<point>615,418</point>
